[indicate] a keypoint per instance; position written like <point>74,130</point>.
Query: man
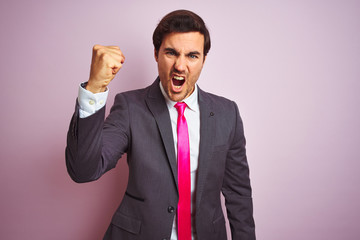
<point>184,146</point>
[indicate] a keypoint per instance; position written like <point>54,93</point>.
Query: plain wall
<point>293,68</point>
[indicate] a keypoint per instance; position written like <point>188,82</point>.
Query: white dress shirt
<point>89,103</point>
<point>192,115</point>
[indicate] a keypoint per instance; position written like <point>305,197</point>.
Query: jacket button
<point>171,209</point>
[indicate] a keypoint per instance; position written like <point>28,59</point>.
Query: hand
<point>106,62</point>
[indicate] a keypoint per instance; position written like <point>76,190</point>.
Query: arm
<point>88,154</point>
<point>236,187</point>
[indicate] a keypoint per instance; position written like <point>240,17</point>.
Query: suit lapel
<point>157,105</point>
<point>207,126</point>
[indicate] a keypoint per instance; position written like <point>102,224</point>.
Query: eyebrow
<point>171,50</point>
<point>194,53</point>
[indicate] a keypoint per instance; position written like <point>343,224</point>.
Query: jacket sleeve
<point>236,186</point>
<point>93,145</point>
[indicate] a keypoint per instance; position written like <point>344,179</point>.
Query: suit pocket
<point>134,197</point>
<point>126,223</point>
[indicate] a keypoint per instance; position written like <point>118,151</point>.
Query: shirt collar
<point>191,101</point>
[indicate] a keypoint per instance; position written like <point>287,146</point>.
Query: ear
<point>204,59</point>
<point>155,55</point>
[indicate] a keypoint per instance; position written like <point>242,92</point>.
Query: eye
<point>193,56</point>
<point>171,53</point>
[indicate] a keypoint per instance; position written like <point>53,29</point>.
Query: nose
<point>180,64</point>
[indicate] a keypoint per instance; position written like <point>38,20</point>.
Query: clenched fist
<point>106,62</point>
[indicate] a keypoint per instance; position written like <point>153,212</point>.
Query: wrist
<point>94,89</point>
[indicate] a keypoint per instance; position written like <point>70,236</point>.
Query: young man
<point>184,146</point>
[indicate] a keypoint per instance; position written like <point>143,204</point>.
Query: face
<point>180,61</point>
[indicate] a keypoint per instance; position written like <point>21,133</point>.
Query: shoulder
<point>133,97</point>
<point>217,102</point>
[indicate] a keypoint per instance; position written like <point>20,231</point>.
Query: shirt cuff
<point>90,102</point>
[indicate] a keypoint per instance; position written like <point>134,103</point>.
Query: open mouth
<point>178,81</point>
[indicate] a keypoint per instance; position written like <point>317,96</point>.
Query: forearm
<point>238,201</point>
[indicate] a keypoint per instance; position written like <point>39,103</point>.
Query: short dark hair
<point>181,21</point>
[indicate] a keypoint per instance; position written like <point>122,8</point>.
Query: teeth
<point>179,78</point>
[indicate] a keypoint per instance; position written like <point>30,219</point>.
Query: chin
<point>176,97</point>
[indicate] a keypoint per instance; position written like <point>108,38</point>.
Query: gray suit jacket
<point>139,125</point>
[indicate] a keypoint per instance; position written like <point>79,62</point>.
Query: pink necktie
<point>184,205</point>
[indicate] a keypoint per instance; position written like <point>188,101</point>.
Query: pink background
<point>293,67</point>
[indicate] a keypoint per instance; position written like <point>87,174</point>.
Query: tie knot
<point>180,107</point>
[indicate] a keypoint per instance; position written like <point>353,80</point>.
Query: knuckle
<point>101,52</point>
<point>96,47</point>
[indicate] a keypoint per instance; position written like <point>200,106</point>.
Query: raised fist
<point>106,62</point>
